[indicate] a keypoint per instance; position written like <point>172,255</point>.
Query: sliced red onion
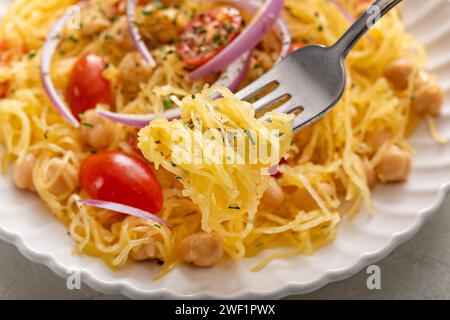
<point>48,50</point>
<point>280,26</point>
<point>121,208</point>
<point>247,40</point>
<point>138,120</point>
<point>136,35</point>
<point>235,73</point>
<point>231,79</point>
<point>274,170</point>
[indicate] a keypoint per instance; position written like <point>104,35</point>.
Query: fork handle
<point>360,27</point>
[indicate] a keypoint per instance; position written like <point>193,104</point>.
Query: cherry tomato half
<point>133,142</point>
<point>4,54</point>
<point>296,45</point>
<point>4,47</point>
<point>87,85</point>
<point>208,34</point>
<point>119,177</point>
<point>3,89</point>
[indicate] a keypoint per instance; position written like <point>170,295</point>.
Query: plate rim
<point>286,289</point>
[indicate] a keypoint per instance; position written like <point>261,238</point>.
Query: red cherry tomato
<point>4,47</point>
<point>4,54</point>
<point>133,142</point>
<point>122,178</point>
<point>87,85</point>
<point>296,45</point>
<point>3,89</point>
<point>208,34</point>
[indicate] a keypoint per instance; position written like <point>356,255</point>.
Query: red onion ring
<point>235,73</point>
<point>136,35</point>
<point>48,50</point>
<point>247,40</point>
<point>231,79</point>
<point>121,208</point>
<point>137,120</point>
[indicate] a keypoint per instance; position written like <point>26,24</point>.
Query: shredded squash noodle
<point>213,165</point>
<point>221,178</point>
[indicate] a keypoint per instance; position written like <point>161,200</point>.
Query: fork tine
<point>257,86</point>
<point>270,99</point>
<point>289,106</point>
<point>305,118</point>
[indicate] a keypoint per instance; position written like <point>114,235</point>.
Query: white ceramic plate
<point>400,212</point>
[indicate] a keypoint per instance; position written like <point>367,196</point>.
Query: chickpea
<point>168,23</point>
<point>395,165</point>
<point>145,252</point>
<point>99,132</point>
<point>133,70</point>
<point>95,18</point>
<point>167,179</point>
<point>201,249</point>
<point>23,172</point>
<point>303,200</point>
<point>273,198</point>
<point>428,95</point>
<point>398,73</point>
<point>67,181</point>
<point>107,8</point>
<point>120,34</point>
<point>378,138</point>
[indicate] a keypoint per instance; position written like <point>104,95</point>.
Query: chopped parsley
<point>168,104</point>
<point>73,39</point>
<point>147,11</point>
<point>158,5</point>
<point>216,37</point>
<point>31,55</point>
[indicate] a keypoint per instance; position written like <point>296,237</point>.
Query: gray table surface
<point>418,269</point>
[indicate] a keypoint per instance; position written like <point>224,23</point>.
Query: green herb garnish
<point>168,104</point>
<point>87,124</point>
<point>73,39</point>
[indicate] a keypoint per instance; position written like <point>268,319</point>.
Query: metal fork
<point>311,81</point>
